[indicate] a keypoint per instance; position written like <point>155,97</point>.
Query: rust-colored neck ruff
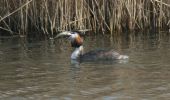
<point>77,42</point>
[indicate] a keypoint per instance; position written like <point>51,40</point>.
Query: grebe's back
<point>101,54</point>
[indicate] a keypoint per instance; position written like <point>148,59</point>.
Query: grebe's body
<point>78,53</point>
<point>102,55</point>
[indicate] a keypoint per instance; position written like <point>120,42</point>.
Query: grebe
<point>78,54</point>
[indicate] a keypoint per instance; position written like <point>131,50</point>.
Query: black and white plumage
<point>78,53</point>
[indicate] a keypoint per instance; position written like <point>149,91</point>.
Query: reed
<point>100,16</point>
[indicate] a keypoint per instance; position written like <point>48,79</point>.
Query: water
<point>42,70</point>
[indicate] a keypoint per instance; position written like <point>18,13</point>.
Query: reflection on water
<point>42,70</point>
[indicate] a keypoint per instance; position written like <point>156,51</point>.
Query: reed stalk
<point>100,16</point>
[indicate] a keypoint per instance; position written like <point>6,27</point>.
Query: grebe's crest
<point>74,37</point>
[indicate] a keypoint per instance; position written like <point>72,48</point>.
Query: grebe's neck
<point>77,52</point>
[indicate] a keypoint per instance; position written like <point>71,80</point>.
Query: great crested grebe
<point>78,53</point>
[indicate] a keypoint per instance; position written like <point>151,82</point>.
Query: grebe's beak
<point>63,34</point>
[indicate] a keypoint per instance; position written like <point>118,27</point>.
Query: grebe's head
<point>74,37</point>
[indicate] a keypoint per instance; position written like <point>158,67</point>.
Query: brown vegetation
<point>51,16</point>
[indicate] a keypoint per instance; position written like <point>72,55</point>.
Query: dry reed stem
<point>51,16</point>
<point>15,10</point>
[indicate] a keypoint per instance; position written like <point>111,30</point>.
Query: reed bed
<point>100,16</point>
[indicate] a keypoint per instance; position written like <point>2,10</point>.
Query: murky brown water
<point>42,70</point>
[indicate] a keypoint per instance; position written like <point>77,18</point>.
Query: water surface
<point>42,70</point>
